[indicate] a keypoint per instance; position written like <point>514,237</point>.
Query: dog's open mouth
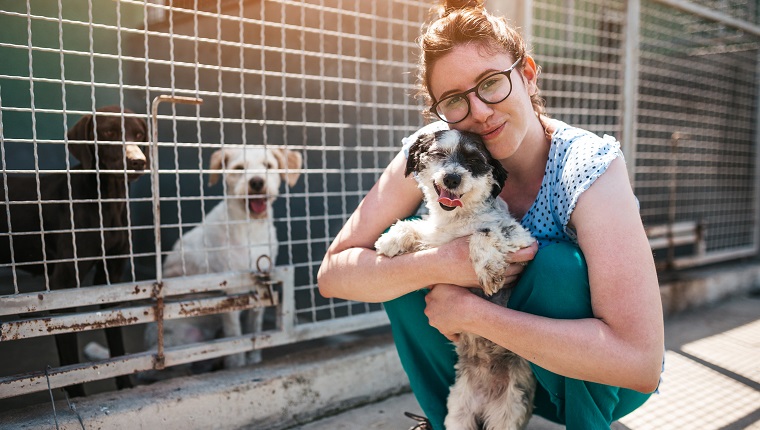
<point>257,204</point>
<point>448,200</point>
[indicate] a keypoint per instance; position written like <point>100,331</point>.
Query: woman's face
<point>503,125</point>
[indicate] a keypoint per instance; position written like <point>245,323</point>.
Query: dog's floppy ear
<point>499,174</point>
<point>83,152</point>
<point>419,147</point>
<point>291,160</point>
<point>215,164</point>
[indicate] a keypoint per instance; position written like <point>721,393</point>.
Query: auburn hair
<point>466,22</point>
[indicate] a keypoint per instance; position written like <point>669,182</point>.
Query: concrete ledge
<point>276,395</point>
<point>690,289</point>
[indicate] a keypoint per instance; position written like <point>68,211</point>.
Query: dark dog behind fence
<point>63,225</point>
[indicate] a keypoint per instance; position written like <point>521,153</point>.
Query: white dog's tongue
<point>449,199</point>
<point>257,206</point>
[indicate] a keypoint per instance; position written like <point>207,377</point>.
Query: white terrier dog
<point>461,183</point>
<point>235,233</point>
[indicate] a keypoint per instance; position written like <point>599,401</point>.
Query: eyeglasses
<point>494,88</point>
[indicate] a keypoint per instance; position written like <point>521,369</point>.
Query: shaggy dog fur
<point>235,233</point>
<point>461,183</point>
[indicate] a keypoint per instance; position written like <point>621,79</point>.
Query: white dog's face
<point>254,175</point>
<point>454,170</point>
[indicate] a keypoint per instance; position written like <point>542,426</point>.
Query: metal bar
<point>667,242</point>
<point>154,169</point>
<point>128,364</point>
<point>714,257</point>
<point>707,13</point>
<point>630,87</point>
<point>118,317</point>
<point>756,170</point>
<point>106,294</point>
<point>324,329</point>
<point>32,382</point>
<point>676,228</point>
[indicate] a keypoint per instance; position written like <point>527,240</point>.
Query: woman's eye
<point>454,101</point>
<point>491,84</point>
<point>487,83</point>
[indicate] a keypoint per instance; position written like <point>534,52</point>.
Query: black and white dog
<point>461,183</point>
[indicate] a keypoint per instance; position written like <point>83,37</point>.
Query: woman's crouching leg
<point>556,285</point>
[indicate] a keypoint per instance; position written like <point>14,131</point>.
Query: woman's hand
<point>446,309</point>
<point>460,268</point>
<point>445,298</point>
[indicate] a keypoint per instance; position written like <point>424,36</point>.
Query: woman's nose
<point>479,110</point>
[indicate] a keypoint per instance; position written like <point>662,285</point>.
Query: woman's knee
<point>555,284</point>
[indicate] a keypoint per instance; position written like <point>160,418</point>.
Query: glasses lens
<point>453,109</point>
<point>495,88</point>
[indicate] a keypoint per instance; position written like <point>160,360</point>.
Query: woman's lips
<point>493,133</point>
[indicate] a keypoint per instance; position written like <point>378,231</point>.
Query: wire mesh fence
<point>696,156</point>
<point>304,104</point>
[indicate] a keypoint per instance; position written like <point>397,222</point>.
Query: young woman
<point>585,311</point>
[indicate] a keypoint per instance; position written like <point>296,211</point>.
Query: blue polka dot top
<point>576,159</point>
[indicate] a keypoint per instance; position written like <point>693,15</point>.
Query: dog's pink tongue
<point>257,206</point>
<point>449,199</point>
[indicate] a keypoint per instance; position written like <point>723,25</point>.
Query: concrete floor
<point>711,379</point>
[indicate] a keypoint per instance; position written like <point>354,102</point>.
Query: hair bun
<point>449,6</point>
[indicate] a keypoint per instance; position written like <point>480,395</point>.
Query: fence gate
<point>330,80</point>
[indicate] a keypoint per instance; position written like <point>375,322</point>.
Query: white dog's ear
<point>215,164</point>
<point>290,160</point>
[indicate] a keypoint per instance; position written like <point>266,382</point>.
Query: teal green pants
<point>555,285</point>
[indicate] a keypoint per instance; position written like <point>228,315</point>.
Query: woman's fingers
<point>523,255</point>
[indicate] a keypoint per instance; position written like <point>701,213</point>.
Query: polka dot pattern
<point>576,159</point>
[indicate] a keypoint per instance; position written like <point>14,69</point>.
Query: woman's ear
<point>529,72</point>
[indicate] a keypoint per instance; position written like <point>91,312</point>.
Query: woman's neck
<point>526,168</point>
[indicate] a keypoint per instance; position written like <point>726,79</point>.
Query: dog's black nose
<point>137,164</point>
<point>452,180</point>
<point>256,184</point>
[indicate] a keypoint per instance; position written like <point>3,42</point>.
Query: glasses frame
<point>507,73</point>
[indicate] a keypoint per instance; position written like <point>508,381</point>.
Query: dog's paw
<point>491,277</point>
<point>401,238</point>
<point>488,251</point>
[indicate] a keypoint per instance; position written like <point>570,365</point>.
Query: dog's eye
<point>140,136</point>
<point>436,153</point>
<point>269,165</point>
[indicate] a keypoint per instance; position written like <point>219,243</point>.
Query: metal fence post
<point>630,87</point>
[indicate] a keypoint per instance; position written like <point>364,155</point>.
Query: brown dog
<point>96,200</point>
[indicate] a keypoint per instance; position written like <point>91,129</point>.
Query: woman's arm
<point>623,345</point>
<point>351,269</point>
